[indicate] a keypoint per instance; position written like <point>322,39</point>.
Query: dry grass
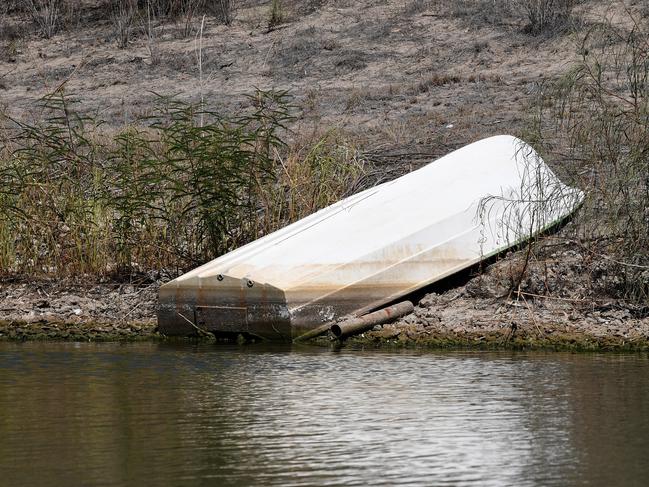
<point>315,172</point>
<point>170,191</point>
<point>535,17</point>
<point>129,18</point>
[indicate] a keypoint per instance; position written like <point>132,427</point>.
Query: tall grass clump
<point>222,9</point>
<point>132,17</point>
<point>171,191</point>
<point>124,19</point>
<point>48,186</point>
<point>314,172</point>
<point>596,119</point>
<point>277,15</point>
<point>166,192</point>
<point>46,14</point>
<point>535,17</point>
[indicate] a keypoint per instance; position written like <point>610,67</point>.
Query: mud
<point>73,310</point>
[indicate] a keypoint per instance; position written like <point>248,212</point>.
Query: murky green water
<point>157,414</point>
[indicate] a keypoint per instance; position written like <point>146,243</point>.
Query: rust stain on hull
<point>230,306</point>
<point>223,307</point>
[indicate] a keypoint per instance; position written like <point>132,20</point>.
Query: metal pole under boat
<point>369,321</point>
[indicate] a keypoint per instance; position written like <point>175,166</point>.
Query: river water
<point>163,414</point>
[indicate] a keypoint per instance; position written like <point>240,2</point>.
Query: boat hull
<point>374,247</point>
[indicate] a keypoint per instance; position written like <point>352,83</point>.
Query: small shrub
<point>8,32</point>
<point>416,6</point>
<point>223,10</point>
<point>46,14</point>
<point>425,85</point>
<point>124,18</point>
<point>544,15</point>
<point>540,16</point>
<point>351,61</point>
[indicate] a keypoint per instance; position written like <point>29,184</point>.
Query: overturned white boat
<point>374,247</point>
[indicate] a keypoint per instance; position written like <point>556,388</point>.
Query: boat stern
<point>224,306</point>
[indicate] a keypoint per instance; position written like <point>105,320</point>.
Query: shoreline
<point>519,339</point>
<point>76,332</point>
<point>553,308</point>
<point>386,337</point>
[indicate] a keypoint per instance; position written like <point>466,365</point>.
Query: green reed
<point>164,193</point>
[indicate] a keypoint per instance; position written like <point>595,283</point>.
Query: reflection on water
<point>160,414</point>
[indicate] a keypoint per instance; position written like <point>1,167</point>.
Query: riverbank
<point>554,306</point>
<point>77,311</point>
<point>489,326</point>
<point>453,320</point>
<point>381,90</point>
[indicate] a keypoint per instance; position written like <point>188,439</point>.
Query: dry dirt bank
<point>437,74</point>
<point>76,311</point>
<point>455,319</point>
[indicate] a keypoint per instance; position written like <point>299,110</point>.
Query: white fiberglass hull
<point>374,247</point>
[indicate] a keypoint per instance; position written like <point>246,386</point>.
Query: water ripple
<point>191,415</point>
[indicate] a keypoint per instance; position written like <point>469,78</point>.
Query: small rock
<point>388,331</point>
